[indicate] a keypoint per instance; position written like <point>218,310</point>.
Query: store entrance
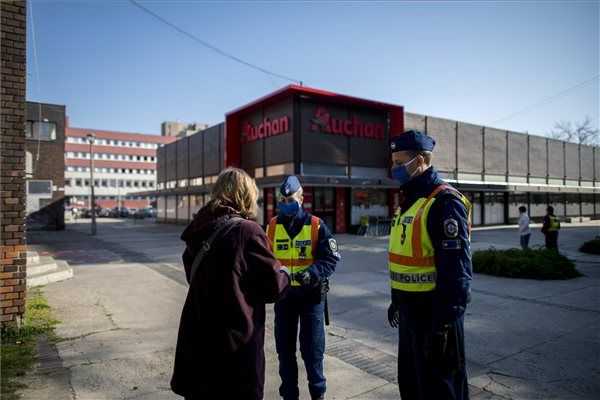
<point>323,205</point>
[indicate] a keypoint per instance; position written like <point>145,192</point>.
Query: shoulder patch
<point>333,245</point>
<point>451,228</point>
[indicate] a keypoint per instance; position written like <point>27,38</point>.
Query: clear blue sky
<point>117,68</point>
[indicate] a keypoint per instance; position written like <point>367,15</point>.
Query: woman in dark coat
<point>220,347</point>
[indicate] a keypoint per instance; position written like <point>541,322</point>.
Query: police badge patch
<point>451,228</point>
<point>333,245</point>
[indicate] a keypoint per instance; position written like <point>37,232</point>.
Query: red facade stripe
<point>110,149</point>
<point>110,164</point>
<point>137,137</point>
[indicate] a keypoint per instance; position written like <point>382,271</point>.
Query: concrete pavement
<point>525,339</point>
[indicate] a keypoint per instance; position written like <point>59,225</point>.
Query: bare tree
<point>579,132</point>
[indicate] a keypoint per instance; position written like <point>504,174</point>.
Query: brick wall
<point>12,161</point>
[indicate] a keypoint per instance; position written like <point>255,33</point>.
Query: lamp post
<point>91,138</point>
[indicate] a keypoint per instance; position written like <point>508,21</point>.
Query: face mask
<point>289,209</point>
<point>401,174</point>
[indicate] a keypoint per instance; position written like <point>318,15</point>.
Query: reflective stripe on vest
<point>297,253</point>
<point>411,254</point>
<point>554,224</point>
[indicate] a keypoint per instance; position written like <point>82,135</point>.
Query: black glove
<point>393,315</point>
<point>304,278</point>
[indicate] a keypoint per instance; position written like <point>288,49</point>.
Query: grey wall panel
<point>321,147</point>
<point>212,150</point>
<point>370,152</point>
<point>414,121</point>
<point>556,159</point>
<point>279,149</point>
<point>517,154</point>
<point>470,148</point>
<point>495,151</point>
<point>587,163</point>
<point>171,171</point>
<point>572,160</point>
<point>160,164</point>
<point>444,133</point>
<point>252,151</point>
<point>183,169</point>
<point>196,155</point>
<point>597,163</point>
<point>537,156</point>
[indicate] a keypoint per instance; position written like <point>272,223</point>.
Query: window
<point>39,187</point>
<point>123,170</point>
<point>40,130</point>
<point>113,183</point>
<point>104,183</point>
<point>151,184</point>
<point>121,183</point>
<point>67,182</point>
<point>78,182</point>
<point>136,184</point>
<point>128,183</point>
<point>96,182</point>
<point>143,183</point>
<point>87,182</point>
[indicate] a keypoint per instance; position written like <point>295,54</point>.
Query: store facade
<point>339,147</point>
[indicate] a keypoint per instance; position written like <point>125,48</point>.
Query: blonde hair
<point>236,189</point>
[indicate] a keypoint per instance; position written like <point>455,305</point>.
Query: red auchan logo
<point>354,127</point>
<point>265,129</point>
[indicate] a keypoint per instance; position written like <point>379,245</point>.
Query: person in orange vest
<point>304,244</point>
<point>429,262</point>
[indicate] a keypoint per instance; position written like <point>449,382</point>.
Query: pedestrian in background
<point>220,347</point>
<point>550,229</point>
<point>524,231</point>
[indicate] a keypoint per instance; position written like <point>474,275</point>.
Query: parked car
<point>152,212</point>
<point>104,212</point>
<point>140,213</point>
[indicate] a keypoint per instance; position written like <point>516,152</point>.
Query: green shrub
<point>592,247</point>
<point>529,264</point>
<point>17,352</point>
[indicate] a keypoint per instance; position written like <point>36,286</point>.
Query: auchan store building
<point>339,146</point>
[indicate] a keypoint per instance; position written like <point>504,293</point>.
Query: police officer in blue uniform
<point>430,274</point>
<point>304,244</point>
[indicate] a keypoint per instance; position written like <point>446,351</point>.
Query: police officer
<point>303,244</point>
<point>550,229</point>
<point>430,270</point>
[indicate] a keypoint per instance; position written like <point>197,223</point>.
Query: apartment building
<point>124,165</point>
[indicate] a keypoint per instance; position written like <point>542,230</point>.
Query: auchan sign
<point>266,128</point>
<point>352,127</point>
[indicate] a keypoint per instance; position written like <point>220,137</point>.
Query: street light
<point>91,138</point>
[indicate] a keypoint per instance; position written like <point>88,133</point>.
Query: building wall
<point>486,163</point>
<point>12,162</point>
<point>124,164</point>
<point>45,161</point>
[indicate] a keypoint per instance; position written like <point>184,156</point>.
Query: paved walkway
<point>525,339</point>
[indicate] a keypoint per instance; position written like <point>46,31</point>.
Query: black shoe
<point>321,397</point>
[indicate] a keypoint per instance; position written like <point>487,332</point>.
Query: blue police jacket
<point>326,255</point>
<point>452,252</point>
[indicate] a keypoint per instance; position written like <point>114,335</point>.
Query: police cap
<point>290,185</point>
<point>412,141</point>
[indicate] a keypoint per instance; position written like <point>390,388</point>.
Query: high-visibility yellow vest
<point>295,253</point>
<point>554,224</point>
<point>411,254</point>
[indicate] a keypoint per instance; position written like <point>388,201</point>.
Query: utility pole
<point>91,137</point>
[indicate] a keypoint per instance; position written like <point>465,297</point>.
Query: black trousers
<point>430,366</point>
<point>552,240</point>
